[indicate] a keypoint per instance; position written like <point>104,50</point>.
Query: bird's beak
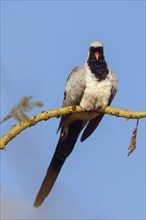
<point>96,55</point>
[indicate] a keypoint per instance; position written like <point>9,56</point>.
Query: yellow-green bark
<point>16,129</point>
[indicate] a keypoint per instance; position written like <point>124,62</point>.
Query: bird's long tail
<point>64,148</point>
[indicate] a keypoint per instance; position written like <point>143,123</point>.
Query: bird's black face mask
<point>97,63</point>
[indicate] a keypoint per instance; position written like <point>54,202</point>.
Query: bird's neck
<point>98,68</point>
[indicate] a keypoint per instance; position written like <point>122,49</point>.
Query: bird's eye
<point>96,54</point>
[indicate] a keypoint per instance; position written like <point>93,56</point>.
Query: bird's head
<point>96,61</point>
<point>96,52</point>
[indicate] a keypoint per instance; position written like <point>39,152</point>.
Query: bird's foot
<point>100,109</point>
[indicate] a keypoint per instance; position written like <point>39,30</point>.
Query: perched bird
<point>92,86</point>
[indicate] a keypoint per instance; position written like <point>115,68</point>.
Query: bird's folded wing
<point>91,126</point>
<point>74,90</point>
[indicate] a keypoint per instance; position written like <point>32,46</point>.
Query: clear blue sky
<point>41,42</point>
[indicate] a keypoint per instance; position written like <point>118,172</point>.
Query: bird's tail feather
<point>64,148</point>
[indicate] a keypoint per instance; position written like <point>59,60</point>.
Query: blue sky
<point>41,42</point>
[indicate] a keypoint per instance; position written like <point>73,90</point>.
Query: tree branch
<point>16,129</point>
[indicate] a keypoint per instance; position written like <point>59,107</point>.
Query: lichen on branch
<point>45,115</point>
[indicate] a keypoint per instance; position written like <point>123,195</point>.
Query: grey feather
<point>75,87</point>
<point>74,90</point>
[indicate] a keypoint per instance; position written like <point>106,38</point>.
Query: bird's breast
<point>97,93</point>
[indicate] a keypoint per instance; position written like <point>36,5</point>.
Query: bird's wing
<point>74,87</point>
<point>74,90</point>
<point>91,126</point>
